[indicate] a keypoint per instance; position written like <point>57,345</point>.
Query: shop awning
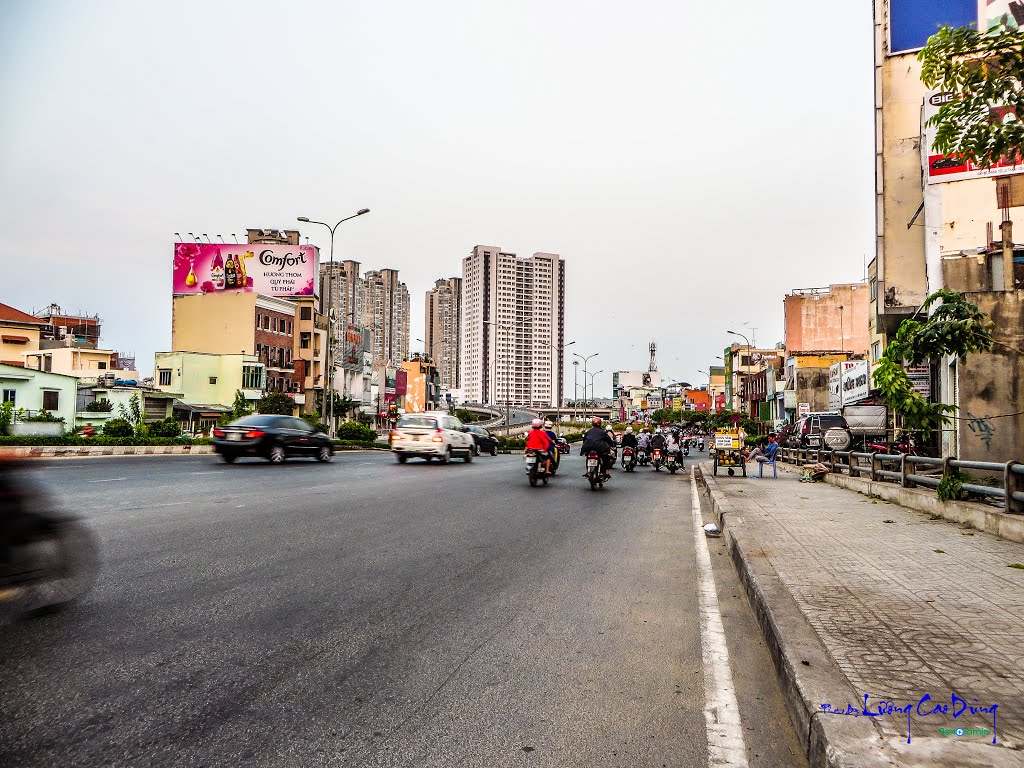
<point>15,339</point>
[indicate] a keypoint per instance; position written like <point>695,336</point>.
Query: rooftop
<point>11,315</point>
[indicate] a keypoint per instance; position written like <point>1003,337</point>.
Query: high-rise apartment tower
<point>513,327</point>
<point>443,315</point>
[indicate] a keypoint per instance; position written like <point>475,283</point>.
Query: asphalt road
<point>364,613</point>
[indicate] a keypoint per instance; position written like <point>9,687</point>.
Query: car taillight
<point>439,436</point>
<point>255,433</point>
<point>805,428</point>
<point>395,434</point>
<point>218,433</point>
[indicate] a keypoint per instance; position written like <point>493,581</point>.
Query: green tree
<point>118,428</point>
<point>276,402</point>
<point>465,416</point>
<point>134,415</point>
<point>984,72</point>
<point>955,327</point>
<point>6,417</point>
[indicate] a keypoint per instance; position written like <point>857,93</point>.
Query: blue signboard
<point>912,22</point>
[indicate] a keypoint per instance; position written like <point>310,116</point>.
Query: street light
<point>592,377</point>
<point>734,333</point>
<point>561,374</point>
<point>331,315</point>
<point>585,359</point>
<point>507,327</point>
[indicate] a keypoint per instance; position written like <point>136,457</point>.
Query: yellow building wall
<point>415,388</point>
<point>14,354</point>
<point>902,278</point>
<point>219,323</point>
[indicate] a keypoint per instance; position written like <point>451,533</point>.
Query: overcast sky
<point>691,163</point>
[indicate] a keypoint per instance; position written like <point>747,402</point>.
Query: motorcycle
<point>672,461</point>
<point>47,559</point>
<point>656,459</point>
<point>536,467</point>
<point>700,446</point>
<point>595,474</point>
<point>905,444</point>
<point>628,459</point>
<point>643,456</point>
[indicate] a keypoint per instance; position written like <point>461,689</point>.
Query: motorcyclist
<point>658,441</point>
<point>539,441</point>
<point>643,440</point>
<point>629,440</point>
<point>549,430</point>
<point>597,440</point>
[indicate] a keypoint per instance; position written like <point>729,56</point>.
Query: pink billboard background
<point>273,270</point>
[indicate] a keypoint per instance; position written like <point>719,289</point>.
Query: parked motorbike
<point>536,467</point>
<point>628,459</point>
<point>595,474</point>
<point>47,558</point>
<point>904,444</point>
<point>656,459</point>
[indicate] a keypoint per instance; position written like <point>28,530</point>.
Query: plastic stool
<point>760,469</point>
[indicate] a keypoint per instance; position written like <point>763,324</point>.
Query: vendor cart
<point>727,451</point>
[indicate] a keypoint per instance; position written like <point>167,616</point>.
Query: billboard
<point>272,270</point>
<point>940,168</point>
<point>849,382</point>
<point>912,22</point>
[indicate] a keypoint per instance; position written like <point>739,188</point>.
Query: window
<point>213,379</point>
<point>102,366</point>
<point>259,320</point>
<point>10,396</point>
<point>252,377</point>
<point>165,377</point>
<point>273,324</point>
<point>51,400</point>
<point>305,313</point>
<point>289,327</point>
<point>873,289</point>
<point>304,340</point>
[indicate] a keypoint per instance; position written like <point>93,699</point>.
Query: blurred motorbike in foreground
<point>47,558</point>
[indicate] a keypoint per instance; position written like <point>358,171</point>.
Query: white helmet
<point>548,424</point>
<point>629,430</point>
<point>536,423</point>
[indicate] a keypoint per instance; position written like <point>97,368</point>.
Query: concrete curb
<point>807,673</point>
<point>51,451</point>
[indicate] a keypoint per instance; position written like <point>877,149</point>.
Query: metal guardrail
<point>906,471</point>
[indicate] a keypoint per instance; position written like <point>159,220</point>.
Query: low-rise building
<point>98,403</point>
<point>422,388</point>
<point>83,362</point>
<point>31,392</point>
<point>19,333</point>
<point>208,379</point>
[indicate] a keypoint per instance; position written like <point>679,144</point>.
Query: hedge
<point>99,440</point>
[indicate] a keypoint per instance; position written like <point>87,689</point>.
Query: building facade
<point>386,314</point>
<point>513,328</point>
<point>19,333</point>
<point>832,318</point>
<point>443,319</point>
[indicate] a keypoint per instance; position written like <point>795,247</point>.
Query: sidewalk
<point>862,597</point>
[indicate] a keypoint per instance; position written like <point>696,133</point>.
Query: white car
<point>432,435</point>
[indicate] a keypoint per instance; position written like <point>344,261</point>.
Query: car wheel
<point>468,457</point>
<point>447,456</point>
<point>475,449</point>
<point>277,455</point>
<point>401,458</point>
<point>494,450</point>
<point>325,454</point>
<point>228,458</point>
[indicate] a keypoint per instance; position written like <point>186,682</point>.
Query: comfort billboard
<point>272,270</point>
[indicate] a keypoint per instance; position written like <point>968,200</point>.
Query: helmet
<point>596,421</point>
<point>548,424</point>
<point>629,430</point>
<point>536,423</point>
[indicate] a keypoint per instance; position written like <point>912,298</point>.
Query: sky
<point>692,164</point>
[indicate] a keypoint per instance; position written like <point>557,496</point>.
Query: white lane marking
<point>215,472</point>
<point>108,480</point>
<point>721,711</point>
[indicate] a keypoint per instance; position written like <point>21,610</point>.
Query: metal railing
<point>907,471</point>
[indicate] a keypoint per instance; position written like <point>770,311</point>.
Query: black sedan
<point>274,438</point>
<point>484,441</point>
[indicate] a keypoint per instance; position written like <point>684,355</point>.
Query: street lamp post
<point>585,360</point>
<point>734,333</point>
<point>575,387</point>
<point>332,316</point>
<point>561,374</point>
<point>507,327</point>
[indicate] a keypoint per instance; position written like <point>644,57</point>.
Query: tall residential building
<point>513,327</point>
<point>341,289</point>
<point>386,315</point>
<point>443,317</point>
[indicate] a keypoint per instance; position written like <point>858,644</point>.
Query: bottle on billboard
<point>217,273</point>
<point>240,270</point>
<point>230,275</point>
